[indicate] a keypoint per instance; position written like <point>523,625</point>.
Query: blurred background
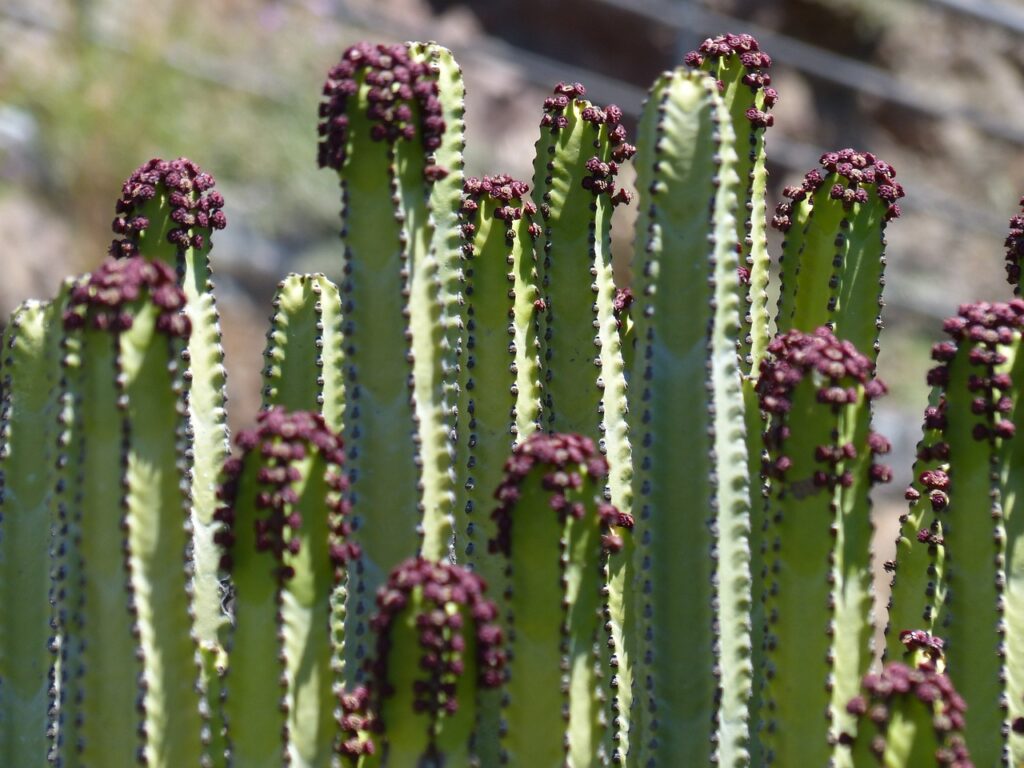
<point>91,89</point>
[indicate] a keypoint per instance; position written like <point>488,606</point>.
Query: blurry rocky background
<point>91,89</point>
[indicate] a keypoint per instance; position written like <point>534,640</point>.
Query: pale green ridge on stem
<point>1010,460</point>
<point>159,537</point>
<point>30,358</point>
<point>304,357</point>
<point>382,455</point>
<point>433,303</point>
<point>796,718</point>
<point>253,708</point>
<point>206,377</point>
<point>971,619</point>
<point>690,489</point>
<point>306,642</point>
<point>918,566</point>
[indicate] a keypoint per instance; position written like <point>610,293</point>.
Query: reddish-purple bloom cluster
<point>621,303</point>
<point>856,173</point>
<point>194,208</point>
<point>401,101</point>
<point>926,642</point>
<point>356,722</point>
<point>448,596</point>
<point>281,440</point>
<point>1015,249</point>
<point>838,365</point>
<point>101,301</point>
<point>601,180</point>
<point>755,61</point>
<point>567,458</point>
<point>507,193</point>
<point>897,686</point>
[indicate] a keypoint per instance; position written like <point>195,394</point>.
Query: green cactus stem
<point>168,210</point>
<point>690,495</point>
<point>391,126</point>
<point>556,533</point>
<point>438,646</point>
<point>818,608</point>
<point>30,370</point>
<point>741,68</point>
<point>976,535</point>
<point>285,538</point>
<point>304,358</point>
<point>908,716</point>
<point>833,254</point>
<point>129,654</point>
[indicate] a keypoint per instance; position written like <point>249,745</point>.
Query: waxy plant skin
<point>498,509</point>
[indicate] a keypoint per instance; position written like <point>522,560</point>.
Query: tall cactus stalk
<point>555,534</point>
<point>168,210</point>
<point>814,387</point>
<point>285,540</point>
<point>129,655</point>
<point>690,489</point>
<point>30,371</point>
<point>973,492</point>
<point>391,127</point>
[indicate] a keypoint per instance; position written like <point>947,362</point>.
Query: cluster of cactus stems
<point>496,509</point>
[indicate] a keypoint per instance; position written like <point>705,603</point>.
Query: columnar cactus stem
<point>129,638</point>
<point>968,494</point>
<point>30,369</point>
<point>908,716</point>
<point>385,129</point>
<point>285,540</point>
<point>833,255</point>
<point>556,533</point>
<point>168,210</point>
<point>690,489</point>
<point>438,645</point>
<point>818,609</point>
<point>304,358</point>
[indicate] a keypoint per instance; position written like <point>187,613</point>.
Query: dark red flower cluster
<point>281,440</point>
<point>601,180</point>
<point>356,722</point>
<point>570,460</point>
<point>402,100</point>
<point>853,175</point>
<point>919,640</point>
<point>755,61</point>
<point>194,208</point>
<point>507,193</point>
<point>838,368</point>
<point>1015,249</point>
<point>898,684</point>
<point>443,596</point>
<point>621,303</point>
<point>101,300</point>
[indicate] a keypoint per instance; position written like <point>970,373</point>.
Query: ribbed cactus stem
<point>385,129</point>
<point>304,358</point>
<point>741,68</point>
<point>971,600</point>
<point>555,534</point>
<point>833,254</point>
<point>438,646</point>
<point>128,636</point>
<point>817,608</point>
<point>168,210</point>
<point>690,494</point>
<point>907,716</point>
<point>285,537</point>
<point>30,369</point>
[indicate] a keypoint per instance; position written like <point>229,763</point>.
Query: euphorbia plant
<point>497,509</point>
